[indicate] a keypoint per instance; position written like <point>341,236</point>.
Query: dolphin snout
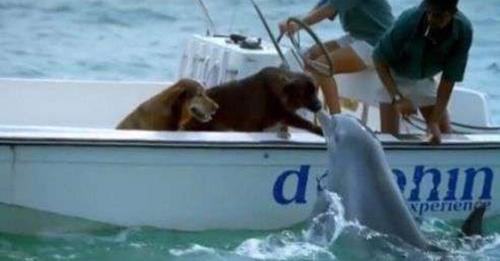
<point>328,122</point>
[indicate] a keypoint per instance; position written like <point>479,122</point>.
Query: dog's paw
<point>318,131</point>
<point>283,133</point>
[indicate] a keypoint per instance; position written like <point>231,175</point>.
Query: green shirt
<point>363,19</point>
<point>410,54</point>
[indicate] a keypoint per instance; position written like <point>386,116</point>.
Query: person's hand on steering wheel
<point>288,28</point>
<point>295,24</point>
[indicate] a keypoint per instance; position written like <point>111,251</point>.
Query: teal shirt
<point>409,54</point>
<point>363,19</point>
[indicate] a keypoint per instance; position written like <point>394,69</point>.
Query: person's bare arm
<point>319,14</point>
<point>443,96</point>
<point>314,16</point>
<point>386,78</point>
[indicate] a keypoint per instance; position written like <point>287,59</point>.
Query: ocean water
<point>143,40</point>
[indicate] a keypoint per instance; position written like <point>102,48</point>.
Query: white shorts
<point>360,47</point>
<point>420,92</point>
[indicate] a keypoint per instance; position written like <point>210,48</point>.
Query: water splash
<point>329,236</point>
<point>195,249</point>
<point>326,227</point>
<point>311,243</point>
<point>282,247</point>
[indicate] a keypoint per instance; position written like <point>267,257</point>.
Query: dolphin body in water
<point>360,175</point>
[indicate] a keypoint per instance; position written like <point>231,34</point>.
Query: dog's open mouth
<point>200,115</point>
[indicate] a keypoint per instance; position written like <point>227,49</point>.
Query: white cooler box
<point>215,60</point>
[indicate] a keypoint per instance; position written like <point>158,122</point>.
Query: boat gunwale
<point>211,144</point>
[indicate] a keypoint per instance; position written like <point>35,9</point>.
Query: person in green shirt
<point>364,21</point>
<point>430,39</point>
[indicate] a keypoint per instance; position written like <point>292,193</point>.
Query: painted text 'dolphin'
<point>426,189</point>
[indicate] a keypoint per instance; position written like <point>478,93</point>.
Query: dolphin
<point>473,225</point>
<point>360,175</point>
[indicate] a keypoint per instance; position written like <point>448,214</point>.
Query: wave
<point>145,13</point>
<point>493,67</point>
<point>15,5</point>
<point>126,18</point>
<point>106,19</point>
<point>60,9</point>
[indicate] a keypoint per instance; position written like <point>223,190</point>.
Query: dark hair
<point>443,5</point>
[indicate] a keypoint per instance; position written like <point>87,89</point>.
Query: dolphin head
<point>343,129</point>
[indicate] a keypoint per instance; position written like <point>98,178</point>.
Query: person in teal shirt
<point>364,21</point>
<point>432,38</point>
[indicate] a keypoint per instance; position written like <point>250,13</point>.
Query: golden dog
<point>172,108</point>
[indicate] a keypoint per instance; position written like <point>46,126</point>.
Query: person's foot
<point>283,132</point>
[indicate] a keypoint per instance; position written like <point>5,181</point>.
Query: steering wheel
<point>318,67</point>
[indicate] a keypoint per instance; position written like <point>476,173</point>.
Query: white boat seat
<point>366,87</point>
<point>363,86</point>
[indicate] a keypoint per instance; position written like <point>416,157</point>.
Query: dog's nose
<point>315,106</point>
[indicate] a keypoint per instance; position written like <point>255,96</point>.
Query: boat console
<point>213,60</point>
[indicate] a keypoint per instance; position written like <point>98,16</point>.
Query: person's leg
<point>330,93</point>
<point>444,122</point>
<point>345,60</point>
<point>314,52</point>
<point>389,119</point>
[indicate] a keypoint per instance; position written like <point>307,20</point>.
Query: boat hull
<point>222,180</point>
<point>73,163</point>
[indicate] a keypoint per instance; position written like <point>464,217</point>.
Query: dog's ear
<point>284,79</point>
<point>176,90</point>
<point>290,89</point>
<point>185,89</point>
<point>178,96</point>
<point>276,78</point>
<point>174,102</point>
<point>292,95</point>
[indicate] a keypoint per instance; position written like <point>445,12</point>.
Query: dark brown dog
<point>172,108</point>
<point>260,101</point>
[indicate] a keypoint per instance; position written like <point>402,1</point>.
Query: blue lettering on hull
<point>460,186</point>
<point>300,195</point>
<point>421,203</point>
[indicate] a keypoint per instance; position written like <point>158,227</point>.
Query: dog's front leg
<point>283,132</point>
<point>190,125</point>
<point>295,120</point>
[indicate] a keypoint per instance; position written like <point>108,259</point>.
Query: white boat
<point>60,156</point>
